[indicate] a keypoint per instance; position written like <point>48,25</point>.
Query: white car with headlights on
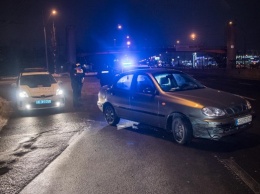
<point>38,89</point>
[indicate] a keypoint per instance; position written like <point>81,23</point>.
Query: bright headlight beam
<point>22,94</point>
<point>59,92</point>
<point>248,104</point>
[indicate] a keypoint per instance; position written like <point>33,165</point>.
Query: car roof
<point>34,71</point>
<point>152,70</point>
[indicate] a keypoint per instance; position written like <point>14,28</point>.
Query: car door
<point>120,96</point>
<point>144,100</point>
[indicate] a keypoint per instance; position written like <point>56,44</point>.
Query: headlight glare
<point>248,104</point>
<point>213,112</point>
<point>59,91</point>
<point>22,94</point>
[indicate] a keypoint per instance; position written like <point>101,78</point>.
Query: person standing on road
<point>77,75</point>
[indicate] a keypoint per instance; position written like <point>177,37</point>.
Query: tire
<point>182,130</point>
<point>110,115</point>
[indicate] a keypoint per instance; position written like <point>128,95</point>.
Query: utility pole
<point>45,43</point>
<point>54,48</point>
<point>231,45</point>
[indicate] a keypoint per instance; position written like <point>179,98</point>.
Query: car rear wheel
<point>110,115</point>
<point>181,129</point>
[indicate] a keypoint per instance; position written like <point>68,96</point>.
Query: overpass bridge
<point>178,52</point>
<point>156,50</point>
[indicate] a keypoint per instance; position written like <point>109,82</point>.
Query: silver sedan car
<point>176,102</point>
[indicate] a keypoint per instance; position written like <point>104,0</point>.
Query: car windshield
<point>33,81</point>
<point>177,81</point>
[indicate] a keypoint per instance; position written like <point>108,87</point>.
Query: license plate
<point>43,101</point>
<point>243,120</point>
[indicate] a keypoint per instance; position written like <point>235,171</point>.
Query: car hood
<point>206,97</point>
<point>40,91</point>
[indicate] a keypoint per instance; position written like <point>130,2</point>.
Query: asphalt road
<point>74,151</point>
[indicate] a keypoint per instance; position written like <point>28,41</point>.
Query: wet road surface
<point>74,151</point>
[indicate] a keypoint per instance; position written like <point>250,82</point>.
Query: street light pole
<point>46,52</point>
<point>54,43</point>
<point>45,43</point>
<point>54,47</point>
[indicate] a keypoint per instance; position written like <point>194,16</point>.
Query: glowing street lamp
<point>119,27</point>
<point>193,36</point>
<point>54,12</point>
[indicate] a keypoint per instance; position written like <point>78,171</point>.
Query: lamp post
<point>54,43</point>
<point>231,44</point>
<point>54,12</point>
<point>193,37</point>
<point>45,44</point>
<point>118,38</point>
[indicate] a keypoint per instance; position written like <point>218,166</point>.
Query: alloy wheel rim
<point>179,131</point>
<point>109,114</point>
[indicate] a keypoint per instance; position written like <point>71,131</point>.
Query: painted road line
<point>242,174</point>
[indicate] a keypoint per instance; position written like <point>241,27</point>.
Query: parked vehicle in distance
<point>36,88</point>
<point>176,102</point>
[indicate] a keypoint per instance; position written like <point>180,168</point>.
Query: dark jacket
<point>77,75</point>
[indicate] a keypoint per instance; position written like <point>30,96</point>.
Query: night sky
<point>153,23</point>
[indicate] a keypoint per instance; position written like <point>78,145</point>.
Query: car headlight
<point>213,112</point>
<point>248,104</point>
<point>59,91</point>
<point>22,94</point>
<point>102,96</point>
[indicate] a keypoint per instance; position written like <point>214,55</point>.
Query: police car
<point>38,89</point>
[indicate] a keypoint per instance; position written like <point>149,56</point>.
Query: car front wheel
<point>110,115</point>
<point>181,129</point>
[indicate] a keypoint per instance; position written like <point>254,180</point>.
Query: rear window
<point>124,82</point>
<point>34,81</point>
